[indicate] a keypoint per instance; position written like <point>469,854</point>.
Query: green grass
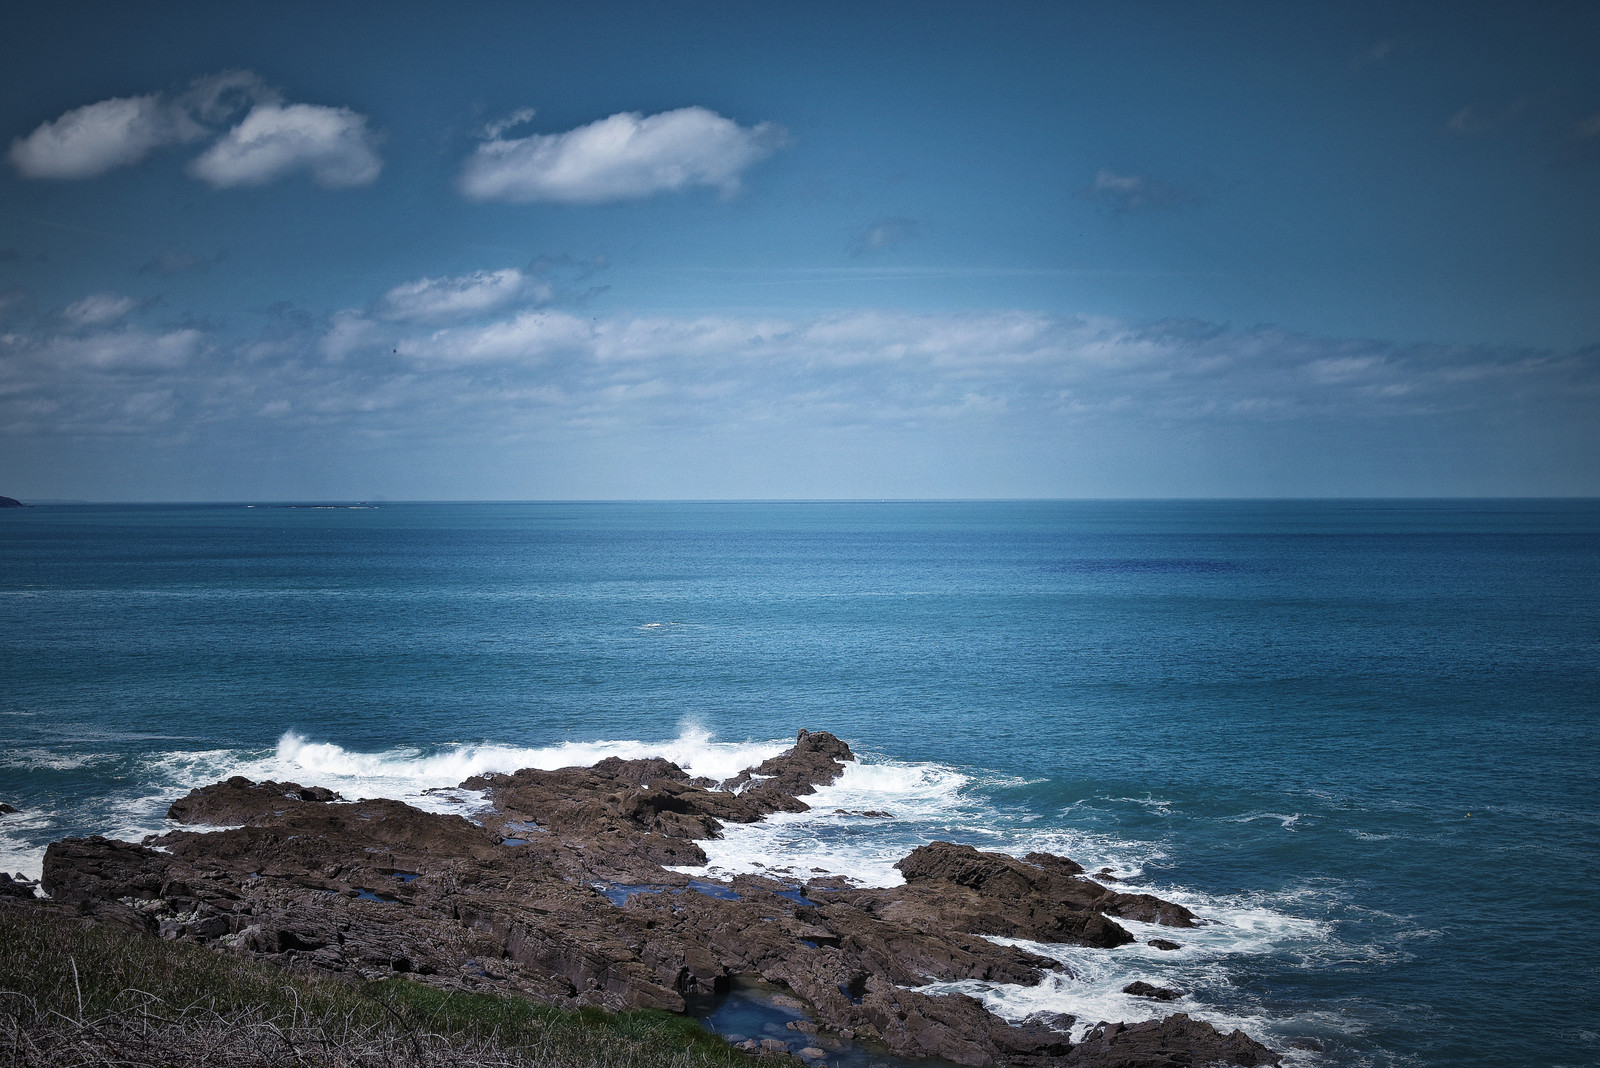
<point>79,994</point>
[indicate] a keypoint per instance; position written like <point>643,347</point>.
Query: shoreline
<point>565,895</point>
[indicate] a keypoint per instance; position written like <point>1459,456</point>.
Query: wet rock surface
<point>562,894</point>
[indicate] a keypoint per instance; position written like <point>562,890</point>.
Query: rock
<point>1163,944</point>
<point>1310,1045</point>
<point>1169,1043</point>
<point>5,809</point>
<point>239,801</point>
<point>1142,989</point>
<point>10,502</point>
<point>811,1053</point>
<point>1042,898</point>
<point>584,912</point>
<point>18,887</point>
<point>207,927</point>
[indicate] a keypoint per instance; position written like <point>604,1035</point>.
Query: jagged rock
<point>562,895</point>
<point>1175,1042</point>
<point>5,809</point>
<point>1042,898</point>
<point>1142,989</point>
<point>17,887</point>
<point>1163,944</point>
<point>238,800</point>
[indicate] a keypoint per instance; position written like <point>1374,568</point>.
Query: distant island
<point>11,502</point>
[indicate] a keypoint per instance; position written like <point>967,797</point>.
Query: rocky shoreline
<point>562,893</point>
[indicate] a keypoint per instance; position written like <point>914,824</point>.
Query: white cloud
<point>216,98</point>
<point>350,331</point>
<point>501,125</point>
<point>623,157</point>
<point>530,337</point>
<point>275,140</point>
<point>96,138</point>
<point>97,309</point>
<point>432,299</point>
<point>128,349</point>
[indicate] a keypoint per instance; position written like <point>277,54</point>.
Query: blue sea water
<point>1362,736</point>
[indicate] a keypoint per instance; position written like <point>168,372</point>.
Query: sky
<point>505,251</point>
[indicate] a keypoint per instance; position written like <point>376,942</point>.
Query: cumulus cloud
<point>275,140</point>
<point>1132,192</point>
<point>89,141</point>
<point>626,156</point>
<point>98,308</point>
<point>433,299</point>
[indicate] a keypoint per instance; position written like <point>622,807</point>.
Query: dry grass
<point>76,996</point>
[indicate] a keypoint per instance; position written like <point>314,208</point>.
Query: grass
<point>73,994</point>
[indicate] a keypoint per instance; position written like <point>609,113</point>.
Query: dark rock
<point>1175,1042</point>
<point>238,801</point>
<point>1142,989</point>
<point>1163,944</point>
<point>1043,898</point>
<point>583,911</point>
<point>17,887</point>
<point>5,809</point>
<point>10,502</point>
<point>1310,1045</point>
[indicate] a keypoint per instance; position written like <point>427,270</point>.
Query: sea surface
<point>1361,736</point>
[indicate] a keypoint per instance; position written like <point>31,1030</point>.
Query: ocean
<point>1361,736</point>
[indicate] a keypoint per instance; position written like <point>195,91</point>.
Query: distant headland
<point>11,502</point>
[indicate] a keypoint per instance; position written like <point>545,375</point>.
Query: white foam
<point>1287,819</point>
<point>923,801</point>
<point>1090,984</point>
<point>692,750</point>
<point>19,831</point>
<point>53,760</point>
<point>426,780</point>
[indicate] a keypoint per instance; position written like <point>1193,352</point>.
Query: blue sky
<point>504,251</point>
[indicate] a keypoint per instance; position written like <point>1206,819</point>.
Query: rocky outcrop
<point>10,502</point>
<point>1175,1042</point>
<point>16,887</point>
<point>238,800</point>
<point>1042,898</point>
<point>1142,989</point>
<point>561,893</point>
